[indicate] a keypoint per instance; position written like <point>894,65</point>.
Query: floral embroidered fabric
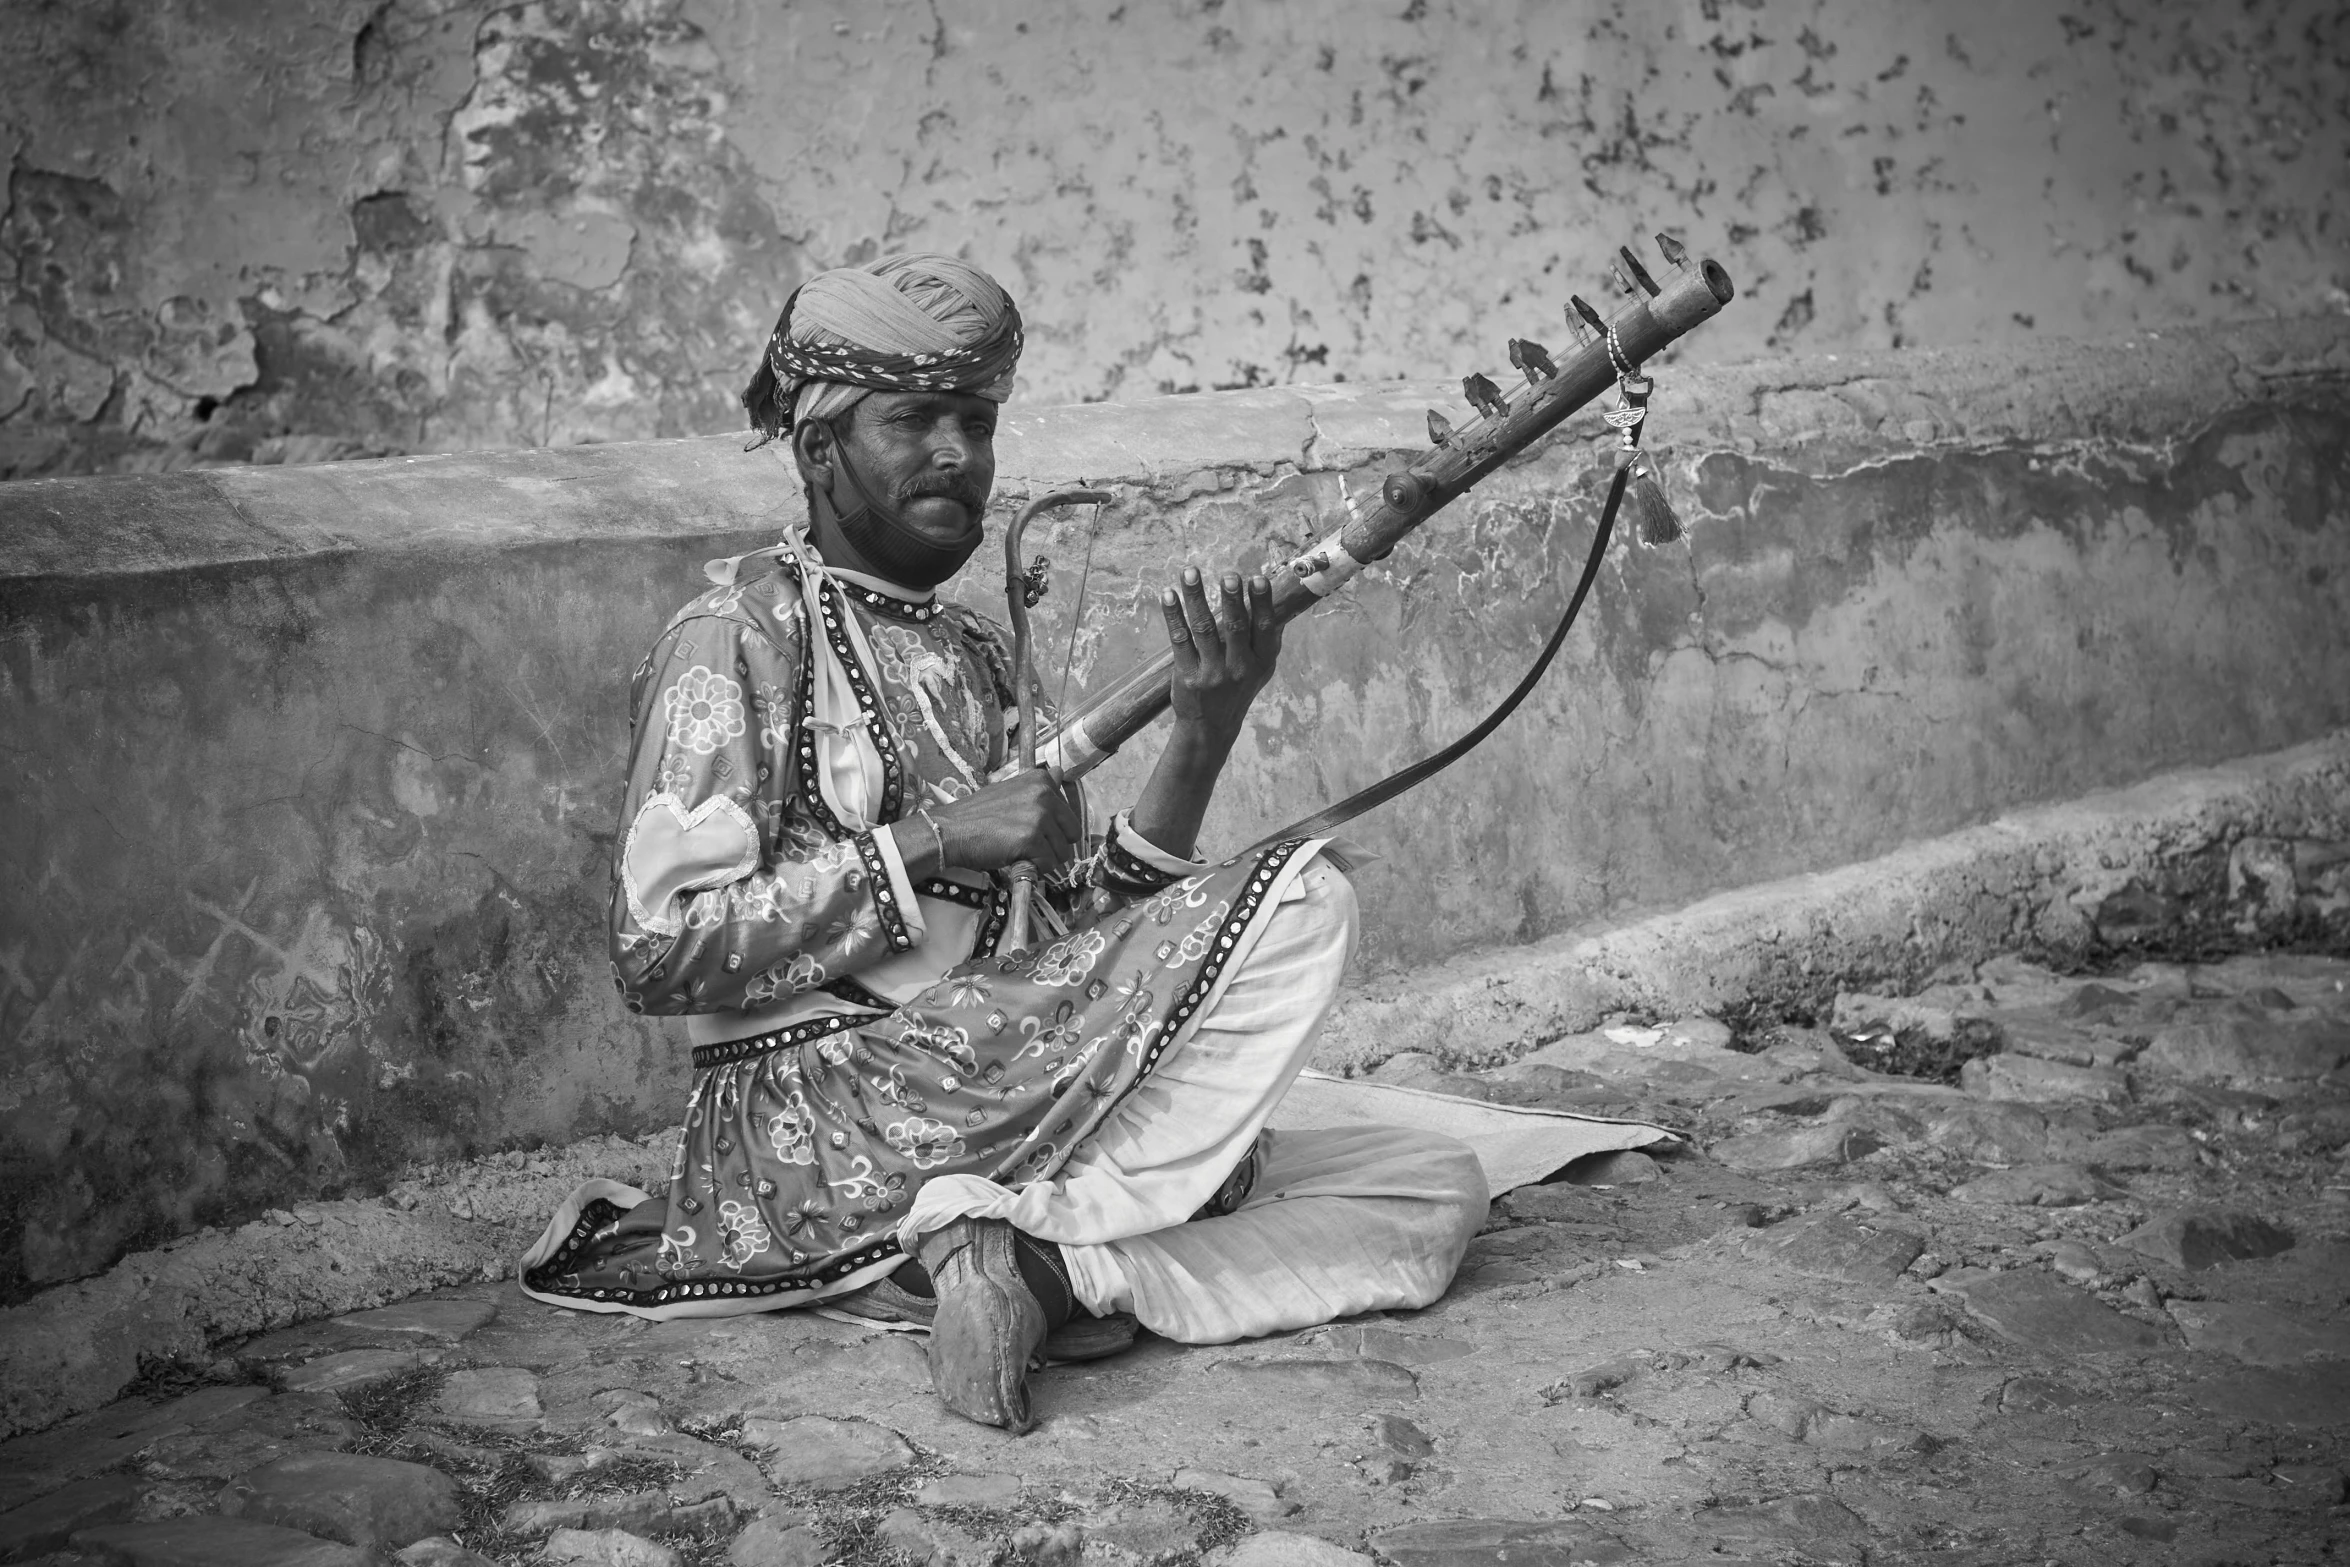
<point>804,1145</point>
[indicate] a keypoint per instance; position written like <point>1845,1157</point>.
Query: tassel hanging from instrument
<point>1652,514</point>
<point>1643,486</point>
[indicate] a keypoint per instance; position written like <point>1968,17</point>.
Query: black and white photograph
<point>1174,783</point>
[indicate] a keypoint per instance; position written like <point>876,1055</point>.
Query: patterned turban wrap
<point>913,323</point>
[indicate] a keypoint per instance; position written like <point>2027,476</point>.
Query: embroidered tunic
<point>858,1033</point>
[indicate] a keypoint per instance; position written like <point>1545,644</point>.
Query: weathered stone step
<point>354,1498</point>
<point>216,1542</point>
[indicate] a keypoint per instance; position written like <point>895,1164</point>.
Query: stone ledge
<point>2152,387</point>
<point>2033,878</point>
<point>76,1346</point>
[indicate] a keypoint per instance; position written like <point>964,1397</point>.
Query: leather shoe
<point>988,1325</point>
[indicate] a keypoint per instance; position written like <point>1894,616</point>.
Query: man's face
<point>928,456</point>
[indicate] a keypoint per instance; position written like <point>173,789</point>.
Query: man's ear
<point>813,448</point>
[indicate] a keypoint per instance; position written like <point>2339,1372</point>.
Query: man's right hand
<point>1026,817</point>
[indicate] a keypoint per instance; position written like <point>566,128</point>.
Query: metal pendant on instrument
<point>1644,492</point>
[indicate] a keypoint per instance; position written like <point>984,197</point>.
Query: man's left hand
<point>1226,642</point>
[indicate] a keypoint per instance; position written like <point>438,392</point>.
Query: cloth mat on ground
<point>1516,1146</point>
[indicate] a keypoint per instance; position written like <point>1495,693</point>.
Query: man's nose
<point>950,446</point>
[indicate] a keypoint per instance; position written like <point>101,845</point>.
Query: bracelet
<point>937,837</point>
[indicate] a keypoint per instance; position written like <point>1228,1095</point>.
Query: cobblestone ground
<point>2070,1283</point>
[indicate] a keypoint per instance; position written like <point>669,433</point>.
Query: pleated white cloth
<point>1347,1220</point>
<point>1341,1221</point>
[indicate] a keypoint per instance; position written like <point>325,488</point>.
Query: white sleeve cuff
<point>1134,843</point>
<point>901,885</point>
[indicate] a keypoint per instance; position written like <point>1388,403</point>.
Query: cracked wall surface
<point>280,231</point>
<point>312,770</point>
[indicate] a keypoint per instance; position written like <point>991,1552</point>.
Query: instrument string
<point>1076,621</point>
<point>1069,660</point>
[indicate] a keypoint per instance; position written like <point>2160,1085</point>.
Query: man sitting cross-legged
<point>889,1115</point>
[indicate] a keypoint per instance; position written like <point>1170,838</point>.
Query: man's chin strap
<point>895,550</point>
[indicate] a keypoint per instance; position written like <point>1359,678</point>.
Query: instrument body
<point>1095,730</point>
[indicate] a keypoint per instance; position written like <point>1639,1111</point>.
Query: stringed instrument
<point>1096,727</point>
<point>1611,353</point>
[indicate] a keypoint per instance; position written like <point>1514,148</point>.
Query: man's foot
<point>1236,1188</point>
<point>888,1302</point>
<point>1087,1337</point>
<point>1082,1337</point>
<point>988,1322</point>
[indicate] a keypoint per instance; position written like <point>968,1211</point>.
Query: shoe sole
<point>988,1326</point>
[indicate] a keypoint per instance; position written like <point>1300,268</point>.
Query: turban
<point>912,323</point>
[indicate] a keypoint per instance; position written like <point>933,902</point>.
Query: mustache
<point>967,493</point>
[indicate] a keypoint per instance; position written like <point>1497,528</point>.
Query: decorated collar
<point>884,597</point>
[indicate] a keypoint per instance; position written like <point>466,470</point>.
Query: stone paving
<point>2070,1284</point>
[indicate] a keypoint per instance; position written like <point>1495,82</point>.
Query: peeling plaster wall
<point>286,230</point>
<point>311,772</point>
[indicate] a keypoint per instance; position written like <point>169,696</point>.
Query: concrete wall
<point>280,230</point>
<point>311,772</point>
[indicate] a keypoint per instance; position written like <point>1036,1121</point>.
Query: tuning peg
<point>1647,284</point>
<point>1439,428</point>
<point>1675,252</point>
<point>1591,317</point>
<point>1576,326</point>
<point>1531,359</point>
<point>1485,397</point>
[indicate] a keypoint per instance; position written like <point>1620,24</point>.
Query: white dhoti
<point>1338,1222</point>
